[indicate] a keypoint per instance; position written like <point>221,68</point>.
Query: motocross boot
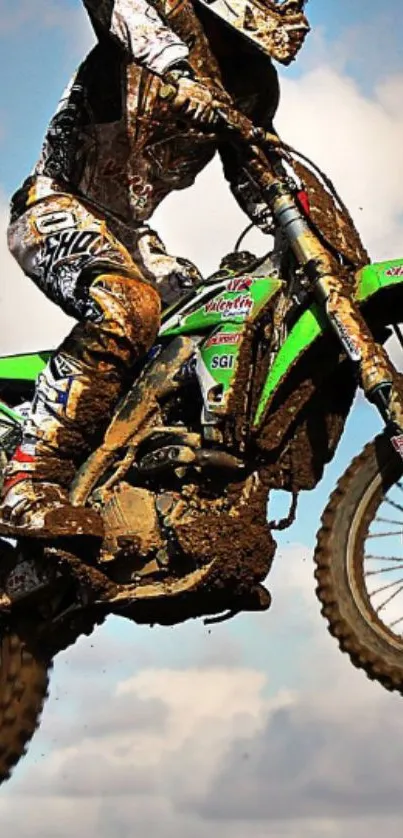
<point>74,399</point>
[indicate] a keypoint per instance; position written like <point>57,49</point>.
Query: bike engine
<point>132,528</point>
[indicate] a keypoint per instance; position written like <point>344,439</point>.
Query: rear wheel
<point>24,681</point>
<point>359,563</point>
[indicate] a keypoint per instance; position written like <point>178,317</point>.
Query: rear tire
<point>340,558</point>
<point>24,682</point>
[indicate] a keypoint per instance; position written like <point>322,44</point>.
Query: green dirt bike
<point>246,391</point>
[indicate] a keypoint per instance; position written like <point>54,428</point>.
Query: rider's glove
<point>172,275</point>
<point>194,99</point>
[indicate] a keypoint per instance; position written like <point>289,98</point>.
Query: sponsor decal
<point>222,362</point>
<point>240,305</point>
<point>349,344</point>
<point>64,367</point>
<point>67,245</point>
<point>223,339</point>
<point>141,190</point>
<point>397,270</point>
<point>397,442</point>
<point>240,283</point>
<point>23,579</point>
<point>53,222</point>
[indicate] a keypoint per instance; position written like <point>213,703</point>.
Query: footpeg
<point>169,457</point>
<point>258,599</point>
<point>178,456</point>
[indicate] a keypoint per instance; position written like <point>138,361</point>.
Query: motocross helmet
<point>277,27</point>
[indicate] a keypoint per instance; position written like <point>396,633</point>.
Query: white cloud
<point>358,141</point>
<point>368,50</point>
<point>215,749</point>
<point>206,751</point>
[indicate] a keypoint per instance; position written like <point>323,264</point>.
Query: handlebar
<point>232,121</point>
<point>235,124</point>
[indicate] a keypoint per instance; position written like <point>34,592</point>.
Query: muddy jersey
<point>114,142</point>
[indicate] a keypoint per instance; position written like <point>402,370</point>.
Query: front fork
<point>375,372</point>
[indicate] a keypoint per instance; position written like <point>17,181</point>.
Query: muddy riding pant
<point>72,256</point>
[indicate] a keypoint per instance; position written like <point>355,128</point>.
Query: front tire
<point>24,682</point>
<point>340,560</point>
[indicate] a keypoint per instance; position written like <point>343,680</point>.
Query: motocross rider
<point>114,149</point>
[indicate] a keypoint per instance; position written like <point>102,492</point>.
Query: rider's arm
<point>140,31</point>
<point>264,84</point>
<point>149,41</point>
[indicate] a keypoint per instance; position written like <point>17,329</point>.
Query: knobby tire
<point>24,683</point>
<point>366,648</point>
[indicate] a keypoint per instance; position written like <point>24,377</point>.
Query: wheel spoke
<point>398,559</point>
<point>384,570</point>
<point>390,564</point>
<point>388,586</point>
<point>393,504</point>
<point>375,582</point>
<point>389,599</point>
<point>396,622</point>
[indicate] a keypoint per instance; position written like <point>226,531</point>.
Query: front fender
<point>377,277</point>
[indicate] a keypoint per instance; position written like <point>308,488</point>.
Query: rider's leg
<point>76,393</point>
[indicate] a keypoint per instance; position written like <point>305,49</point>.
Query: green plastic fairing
<point>312,323</point>
<point>233,300</point>
<point>233,304</point>
<point>217,365</point>
<point>303,334</point>
<point>373,278</point>
<point>23,367</point>
<point>9,413</point>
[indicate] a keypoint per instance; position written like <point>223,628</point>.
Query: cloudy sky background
<point>261,727</point>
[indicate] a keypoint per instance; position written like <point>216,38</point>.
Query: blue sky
<point>366,35</point>
<point>36,62</point>
<point>37,59</point>
<point>278,678</point>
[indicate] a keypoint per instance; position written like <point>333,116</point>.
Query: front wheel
<point>24,681</point>
<point>359,563</point>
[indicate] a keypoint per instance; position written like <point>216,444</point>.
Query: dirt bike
<point>246,391</point>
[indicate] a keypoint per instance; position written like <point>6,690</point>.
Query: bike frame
<point>218,312</point>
